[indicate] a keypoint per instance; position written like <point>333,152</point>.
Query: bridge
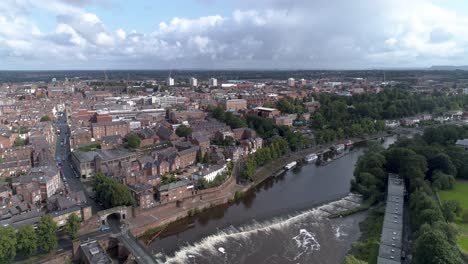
<point>123,212</point>
<point>119,228</point>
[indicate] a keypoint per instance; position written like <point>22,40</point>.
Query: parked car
<point>104,228</point>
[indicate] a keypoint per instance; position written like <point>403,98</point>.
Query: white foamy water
<point>239,240</point>
<point>305,242</point>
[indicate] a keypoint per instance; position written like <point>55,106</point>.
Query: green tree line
<point>29,241</point>
<point>427,163</point>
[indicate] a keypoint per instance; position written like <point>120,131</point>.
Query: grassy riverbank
<point>459,194</point>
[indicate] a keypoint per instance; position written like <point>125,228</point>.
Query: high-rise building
<point>170,81</point>
<point>193,82</point>
<point>291,82</point>
<point>213,82</point>
<point>303,82</point>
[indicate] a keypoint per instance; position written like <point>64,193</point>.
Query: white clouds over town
<point>267,34</point>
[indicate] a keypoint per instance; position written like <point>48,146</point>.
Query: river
<point>278,222</point>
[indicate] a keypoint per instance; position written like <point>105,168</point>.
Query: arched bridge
<point>123,212</point>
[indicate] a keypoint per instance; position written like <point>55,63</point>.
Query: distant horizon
<point>236,69</point>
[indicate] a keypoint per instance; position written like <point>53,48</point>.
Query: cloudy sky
<point>214,34</point>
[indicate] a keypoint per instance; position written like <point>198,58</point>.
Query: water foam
<point>208,244</point>
<point>306,242</point>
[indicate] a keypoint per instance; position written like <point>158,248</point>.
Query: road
<point>70,178</point>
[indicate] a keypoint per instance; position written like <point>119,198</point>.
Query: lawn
<point>460,194</point>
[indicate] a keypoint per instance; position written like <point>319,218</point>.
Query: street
<point>70,178</point>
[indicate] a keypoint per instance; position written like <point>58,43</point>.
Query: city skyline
<point>216,34</point>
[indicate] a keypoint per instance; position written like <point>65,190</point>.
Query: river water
<point>281,221</point>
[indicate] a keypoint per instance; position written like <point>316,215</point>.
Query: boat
<point>290,165</point>
<point>338,148</point>
<point>349,144</point>
<point>311,157</point>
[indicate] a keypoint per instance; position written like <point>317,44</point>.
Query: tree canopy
<point>132,141</point>
<point>72,226</point>
<point>46,231</point>
<point>183,131</point>
<point>110,192</point>
<point>27,240</point>
<point>7,244</point>
<point>45,118</point>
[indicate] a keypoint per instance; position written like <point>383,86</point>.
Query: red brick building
<point>234,105</point>
<point>100,130</point>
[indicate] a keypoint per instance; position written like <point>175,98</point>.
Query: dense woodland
<point>427,163</point>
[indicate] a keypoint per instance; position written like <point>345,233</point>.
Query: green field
<point>460,194</point>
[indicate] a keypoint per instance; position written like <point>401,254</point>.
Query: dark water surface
<point>278,222</point>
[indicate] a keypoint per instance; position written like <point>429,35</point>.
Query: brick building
<point>175,191</point>
<point>100,130</point>
<point>234,105</point>
<point>285,120</point>
<point>47,178</point>
<point>179,116</point>
<point>88,163</point>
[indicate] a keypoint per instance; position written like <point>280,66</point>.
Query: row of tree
<point>341,117</point>
<point>427,163</point>
<point>27,241</point>
<point>277,148</point>
<point>110,192</point>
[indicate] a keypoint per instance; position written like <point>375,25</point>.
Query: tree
<point>7,244</point>
<point>183,131</point>
<point>250,168</point>
<point>206,158</point>
<point>45,118</point>
<point>431,247</point>
<point>19,142</point>
<point>72,226</point>
<point>443,163</point>
<point>451,209</point>
<point>27,240</point>
<point>46,231</point>
<point>110,192</point>
<point>133,141</point>
<point>199,157</point>
<point>442,181</point>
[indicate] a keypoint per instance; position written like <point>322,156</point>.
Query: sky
<point>232,34</point>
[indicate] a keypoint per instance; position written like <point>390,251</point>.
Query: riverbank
<point>149,223</point>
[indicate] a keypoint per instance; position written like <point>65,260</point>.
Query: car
<point>104,228</point>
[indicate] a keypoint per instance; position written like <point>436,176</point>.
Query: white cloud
<point>121,34</point>
<point>262,33</point>
<point>391,42</point>
<point>104,39</point>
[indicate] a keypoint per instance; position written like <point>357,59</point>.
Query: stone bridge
<point>123,212</point>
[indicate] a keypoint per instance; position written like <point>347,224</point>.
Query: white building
<point>165,101</point>
<point>291,82</point>
<point>193,82</point>
<point>210,173</point>
<point>170,81</point>
<point>213,82</point>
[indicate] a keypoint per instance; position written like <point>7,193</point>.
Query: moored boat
<point>290,165</point>
<point>349,144</point>
<point>338,148</point>
<point>311,157</point>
